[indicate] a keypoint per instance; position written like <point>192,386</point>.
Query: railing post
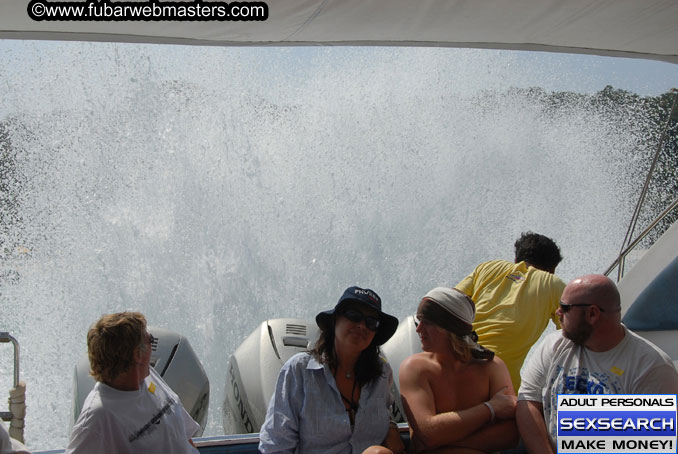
<point>5,337</point>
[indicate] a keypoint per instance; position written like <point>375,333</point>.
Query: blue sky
<point>587,73</point>
<point>472,68</point>
<point>504,68</point>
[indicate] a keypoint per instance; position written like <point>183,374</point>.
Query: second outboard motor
<point>174,360</point>
<point>253,369</point>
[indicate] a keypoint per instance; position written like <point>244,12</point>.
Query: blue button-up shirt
<point>307,416</point>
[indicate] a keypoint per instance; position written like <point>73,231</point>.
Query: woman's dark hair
<point>369,366</point>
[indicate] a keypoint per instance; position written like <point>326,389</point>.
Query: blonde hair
<point>112,342</point>
<point>460,347</point>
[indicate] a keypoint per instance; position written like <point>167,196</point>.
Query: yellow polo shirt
<point>514,303</point>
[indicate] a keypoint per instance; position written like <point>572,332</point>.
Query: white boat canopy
<point>623,28</point>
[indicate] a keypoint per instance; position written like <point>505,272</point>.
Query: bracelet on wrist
<point>492,414</point>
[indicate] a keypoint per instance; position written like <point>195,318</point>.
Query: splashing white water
<point>214,188</point>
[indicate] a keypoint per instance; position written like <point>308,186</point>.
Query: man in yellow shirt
<point>515,301</point>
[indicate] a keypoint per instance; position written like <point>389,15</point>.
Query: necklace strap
<point>352,405</point>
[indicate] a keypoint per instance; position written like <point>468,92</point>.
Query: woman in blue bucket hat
<point>336,398</point>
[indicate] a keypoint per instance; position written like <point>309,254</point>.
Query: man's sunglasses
<point>566,307</point>
<point>356,316</point>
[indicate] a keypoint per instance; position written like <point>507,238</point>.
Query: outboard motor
<point>403,343</point>
<point>253,369</point>
<point>174,360</point>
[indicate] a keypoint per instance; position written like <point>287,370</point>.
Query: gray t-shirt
<point>558,366</point>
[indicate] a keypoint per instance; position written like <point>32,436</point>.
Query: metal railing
<point>5,337</point>
<point>620,260</point>
<point>627,244</point>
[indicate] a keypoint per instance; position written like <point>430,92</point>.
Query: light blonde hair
<point>460,347</point>
<point>112,343</point>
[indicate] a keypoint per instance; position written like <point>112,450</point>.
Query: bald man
<point>592,354</point>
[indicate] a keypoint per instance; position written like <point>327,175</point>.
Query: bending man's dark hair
<point>538,250</point>
<point>369,366</point>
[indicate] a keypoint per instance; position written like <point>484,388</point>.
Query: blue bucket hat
<point>366,297</point>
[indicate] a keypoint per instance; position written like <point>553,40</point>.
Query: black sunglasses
<point>356,316</point>
<point>566,307</point>
<point>152,340</point>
